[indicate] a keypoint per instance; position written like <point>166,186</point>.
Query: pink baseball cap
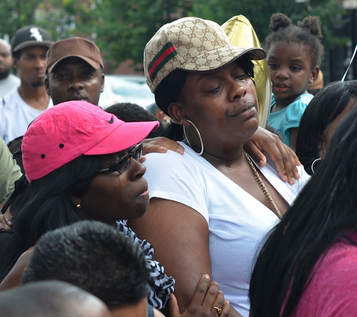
<point>74,128</point>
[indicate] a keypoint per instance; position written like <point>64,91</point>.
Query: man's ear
<point>14,62</point>
<point>314,74</point>
<point>176,112</point>
<point>47,85</point>
<point>102,85</point>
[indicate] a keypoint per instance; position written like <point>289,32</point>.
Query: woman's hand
<point>284,158</point>
<point>207,300</point>
<point>161,145</point>
<point>5,220</point>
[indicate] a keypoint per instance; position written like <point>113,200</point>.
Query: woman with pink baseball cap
<point>81,163</point>
<point>84,163</point>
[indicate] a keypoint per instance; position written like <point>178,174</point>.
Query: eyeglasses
<point>135,152</point>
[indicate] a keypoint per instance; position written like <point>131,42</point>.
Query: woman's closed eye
<point>215,90</point>
<point>120,165</point>
<point>242,77</point>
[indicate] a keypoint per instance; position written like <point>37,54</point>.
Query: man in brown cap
<point>28,47</point>
<point>74,71</point>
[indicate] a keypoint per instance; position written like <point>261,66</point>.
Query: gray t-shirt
<point>8,84</point>
<point>16,115</point>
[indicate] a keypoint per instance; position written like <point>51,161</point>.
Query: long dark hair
<point>321,214</point>
<point>322,110</point>
<point>46,205</point>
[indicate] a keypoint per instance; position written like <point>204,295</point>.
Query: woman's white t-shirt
<point>237,222</point>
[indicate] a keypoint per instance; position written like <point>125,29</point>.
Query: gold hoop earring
<point>78,205</point>
<point>198,133</point>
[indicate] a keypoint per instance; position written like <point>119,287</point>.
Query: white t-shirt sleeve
<point>171,176</point>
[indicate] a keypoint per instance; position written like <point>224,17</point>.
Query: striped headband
<point>160,59</point>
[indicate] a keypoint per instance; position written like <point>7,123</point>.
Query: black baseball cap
<point>30,36</point>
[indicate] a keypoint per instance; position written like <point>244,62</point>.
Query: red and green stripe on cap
<point>160,59</point>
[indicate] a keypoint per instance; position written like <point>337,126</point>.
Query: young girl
<point>293,54</point>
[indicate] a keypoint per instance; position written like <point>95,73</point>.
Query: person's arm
<point>261,142</point>
<point>284,158</point>
<point>9,172</point>
<point>13,278</point>
<point>179,236</point>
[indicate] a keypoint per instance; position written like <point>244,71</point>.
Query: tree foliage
<point>124,27</point>
<point>121,28</point>
<point>259,13</point>
<point>16,13</point>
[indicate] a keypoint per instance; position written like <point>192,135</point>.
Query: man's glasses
<point>123,164</point>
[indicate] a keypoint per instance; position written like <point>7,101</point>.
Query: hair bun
<point>311,23</point>
<point>279,21</point>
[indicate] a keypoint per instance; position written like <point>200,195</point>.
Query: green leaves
<point>121,28</point>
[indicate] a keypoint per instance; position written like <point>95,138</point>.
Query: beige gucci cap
<point>190,44</point>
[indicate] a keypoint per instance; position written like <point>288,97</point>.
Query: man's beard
<point>5,73</point>
<point>37,84</point>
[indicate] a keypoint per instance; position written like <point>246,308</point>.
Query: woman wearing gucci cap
<point>210,208</point>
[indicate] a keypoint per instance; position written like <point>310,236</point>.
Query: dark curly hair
<point>95,257</point>
<point>306,32</point>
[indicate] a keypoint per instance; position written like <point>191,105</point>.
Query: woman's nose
<point>137,169</point>
<point>239,89</point>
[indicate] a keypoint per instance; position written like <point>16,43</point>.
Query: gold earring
<point>78,205</point>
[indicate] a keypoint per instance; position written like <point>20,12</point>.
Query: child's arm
<point>293,137</point>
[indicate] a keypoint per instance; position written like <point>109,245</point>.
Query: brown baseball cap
<point>74,47</point>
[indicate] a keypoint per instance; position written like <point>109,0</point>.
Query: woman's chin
<point>251,126</point>
<point>139,209</point>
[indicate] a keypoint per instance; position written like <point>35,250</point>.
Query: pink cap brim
<point>129,134</point>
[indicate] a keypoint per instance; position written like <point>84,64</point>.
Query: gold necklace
<point>263,188</point>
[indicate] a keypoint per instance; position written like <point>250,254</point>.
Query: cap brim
<point>91,62</point>
<point>125,136</point>
<point>225,56</point>
<point>26,44</point>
